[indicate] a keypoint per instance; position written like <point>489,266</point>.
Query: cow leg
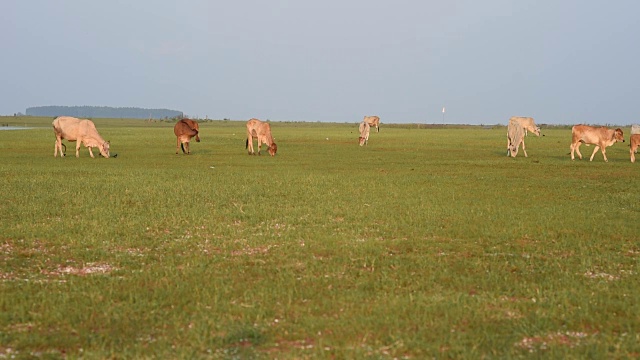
<point>90,152</point>
<point>604,153</point>
<point>573,148</point>
<point>78,148</point>
<point>55,149</point>
<point>595,151</point>
<point>631,152</point>
<point>523,148</point>
<point>250,144</point>
<point>186,145</point>
<point>576,147</point>
<point>259,145</point>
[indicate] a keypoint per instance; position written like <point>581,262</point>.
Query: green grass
<point>428,242</point>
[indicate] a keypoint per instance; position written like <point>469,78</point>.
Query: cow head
<point>513,150</point>
<point>273,149</point>
<point>534,129</point>
<point>104,149</point>
<point>618,135</point>
<point>362,140</point>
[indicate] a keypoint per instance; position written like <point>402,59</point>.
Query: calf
<point>601,137</point>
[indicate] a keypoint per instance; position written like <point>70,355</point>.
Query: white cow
<point>364,133</point>
<point>516,131</point>
<point>261,131</point>
<point>373,121</point>
<point>82,131</point>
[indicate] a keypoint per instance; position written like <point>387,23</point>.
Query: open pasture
<point>427,242</point>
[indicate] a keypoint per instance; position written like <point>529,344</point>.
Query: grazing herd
<point>601,137</point>
<point>84,132</point>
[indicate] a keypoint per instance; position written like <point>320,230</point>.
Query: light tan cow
<point>635,142</point>
<point>601,137</point>
<point>373,121</point>
<point>364,133</point>
<point>185,129</point>
<point>82,131</point>
<point>262,132</point>
<point>516,131</point>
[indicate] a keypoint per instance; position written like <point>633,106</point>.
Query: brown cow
<point>364,133</point>
<point>185,129</point>
<point>635,142</point>
<point>373,121</point>
<point>516,131</point>
<point>262,132</point>
<point>601,137</point>
<point>82,131</point>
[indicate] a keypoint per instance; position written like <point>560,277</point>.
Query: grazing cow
<point>262,132</point>
<point>185,129</point>
<point>516,131</point>
<point>373,121</point>
<point>601,137</point>
<point>364,133</point>
<point>82,131</point>
<point>635,142</point>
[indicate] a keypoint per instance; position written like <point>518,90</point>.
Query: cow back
<point>67,127</point>
<point>186,127</point>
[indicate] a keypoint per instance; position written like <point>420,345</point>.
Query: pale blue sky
<point>560,61</point>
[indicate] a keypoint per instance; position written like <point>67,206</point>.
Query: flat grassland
<point>428,242</point>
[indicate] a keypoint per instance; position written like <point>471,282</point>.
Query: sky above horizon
<point>561,62</point>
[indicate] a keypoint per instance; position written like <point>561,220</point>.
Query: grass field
<point>427,243</point>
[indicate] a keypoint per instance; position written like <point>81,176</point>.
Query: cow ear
<point>109,142</point>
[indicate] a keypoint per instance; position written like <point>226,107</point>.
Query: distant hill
<point>103,112</point>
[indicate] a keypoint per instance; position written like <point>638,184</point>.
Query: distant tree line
<point>103,112</point>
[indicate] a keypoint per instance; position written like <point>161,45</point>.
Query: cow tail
<point>65,149</point>
<point>246,144</point>
<point>182,147</point>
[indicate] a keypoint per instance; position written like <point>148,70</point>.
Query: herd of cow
<point>84,132</point>
<point>601,137</point>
